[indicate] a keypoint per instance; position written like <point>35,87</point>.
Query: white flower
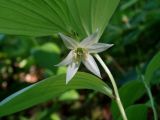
<point>81,52</point>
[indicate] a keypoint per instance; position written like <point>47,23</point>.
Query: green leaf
<point>47,17</point>
<point>15,46</point>
<point>55,116</point>
<point>136,112</point>
<point>47,55</point>
<point>38,17</point>
<point>129,93</point>
<point>88,15</point>
<point>153,66</point>
<point>49,89</point>
<point>69,95</point>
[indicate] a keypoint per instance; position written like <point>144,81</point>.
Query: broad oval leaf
<point>136,112</point>
<point>50,88</point>
<point>153,66</point>
<point>49,51</point>
<point>46,17</point>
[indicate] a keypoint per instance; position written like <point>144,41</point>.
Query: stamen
<point>79,54</point>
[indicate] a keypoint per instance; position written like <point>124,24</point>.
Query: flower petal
<point>90,40</point>
<point>99,47</point>
<point>91,65</point>
<point>68,41</point>
<point>71,71</point>
<point>67,60</point>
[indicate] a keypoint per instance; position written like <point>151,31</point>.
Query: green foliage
<point>153,67</point>
<point>129,92</point>
<point>12,46</point>
<point>47,55</point>
<point>69,95</point>
<point>46,17</point>
<point>25,60</point>
<point>50,88</point>
<point>136,112</point>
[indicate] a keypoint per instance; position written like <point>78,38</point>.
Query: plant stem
<point>150,97</point>
<point>117,97</point>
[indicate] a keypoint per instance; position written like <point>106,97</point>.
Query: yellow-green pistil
<point>80,54</point>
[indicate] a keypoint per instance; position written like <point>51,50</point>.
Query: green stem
<point>117,97</point>
<point>150,97</point>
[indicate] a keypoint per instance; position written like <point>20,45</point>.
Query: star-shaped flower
<point>81,52</point>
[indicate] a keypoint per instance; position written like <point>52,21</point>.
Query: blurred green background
<point>135,32</point>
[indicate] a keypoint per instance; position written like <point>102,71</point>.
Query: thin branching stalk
<point>117,97</point>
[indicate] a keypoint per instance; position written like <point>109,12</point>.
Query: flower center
<point>80,53</point>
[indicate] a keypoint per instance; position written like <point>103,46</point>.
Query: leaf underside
<point>48,17</point>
